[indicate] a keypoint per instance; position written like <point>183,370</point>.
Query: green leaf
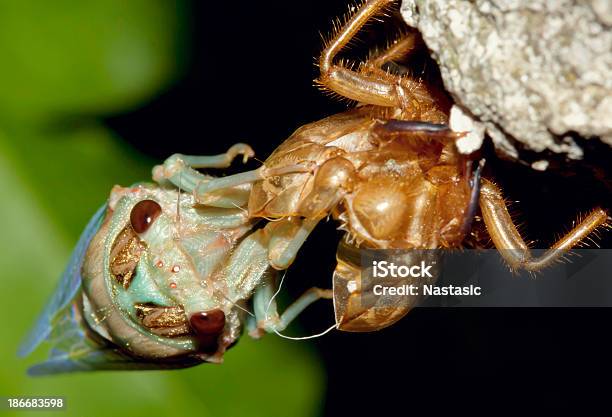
<point>67,57</point>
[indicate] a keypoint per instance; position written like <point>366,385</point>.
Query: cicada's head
<point>151,278</point>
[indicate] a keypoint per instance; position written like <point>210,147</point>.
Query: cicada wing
<point>104,359</point>
<point>66,290</point>
<point>69,341</point>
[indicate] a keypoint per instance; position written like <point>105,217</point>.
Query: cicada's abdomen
<point>358,306</point>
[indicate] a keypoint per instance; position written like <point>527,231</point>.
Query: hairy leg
<point>371,85</point>
<point>509,242</point>
<point>397,50</point>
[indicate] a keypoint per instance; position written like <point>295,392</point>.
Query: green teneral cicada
<point>159,281</point>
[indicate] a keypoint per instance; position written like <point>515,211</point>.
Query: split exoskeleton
<point>388,171</point>
<point>170,268</point>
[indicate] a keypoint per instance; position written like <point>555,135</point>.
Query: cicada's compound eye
<point>208,326</point>
<point>144,214</point>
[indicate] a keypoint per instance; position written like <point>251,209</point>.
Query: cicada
<point>157,281</point>
<point>166,274</point>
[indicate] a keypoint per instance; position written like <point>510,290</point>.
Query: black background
<point>249,79</point>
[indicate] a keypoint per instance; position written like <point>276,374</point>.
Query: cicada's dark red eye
<point>144,214</point>
<point>208,326</point>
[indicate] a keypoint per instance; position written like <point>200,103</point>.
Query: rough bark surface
<point>531,71</point>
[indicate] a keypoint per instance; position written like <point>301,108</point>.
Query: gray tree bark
<point>528,72</point>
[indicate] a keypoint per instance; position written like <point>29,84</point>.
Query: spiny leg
<point>400,48</point>
<point>369,86</point>
<point>397,50</point>
<point>509,242</point>
<point>266,312</point>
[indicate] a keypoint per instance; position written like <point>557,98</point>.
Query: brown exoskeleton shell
<point>390,189</point>
<point>390,173</point>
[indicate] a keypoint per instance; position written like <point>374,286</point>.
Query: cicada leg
<point>276,246</point>
<point>370,84</point>
<point>511,245</point>
<point>226,192</point>
<point>205,190</point>
<point>248,269</point>
<point>223,160</point>
<point>179,171</point>
<point>286,237</point>
<point>266,311</point>
<point>397,50</point>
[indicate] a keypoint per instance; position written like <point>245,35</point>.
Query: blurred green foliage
<point>66,60</point>
<point>84,57</point>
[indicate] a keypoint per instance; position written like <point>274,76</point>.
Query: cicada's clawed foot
<point>239,149</point>
<point>180,170</point>
<point>178,163</point>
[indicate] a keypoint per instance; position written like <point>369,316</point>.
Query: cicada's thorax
<point>314,144</point>
<point>156,262</point>
<point>389,189</point>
